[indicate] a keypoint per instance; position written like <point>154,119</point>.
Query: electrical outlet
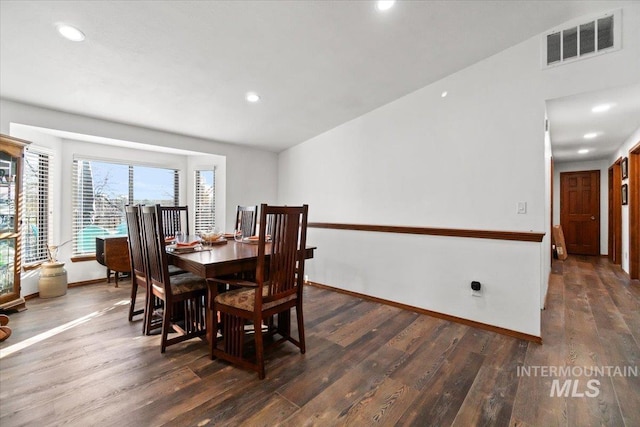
<point>306,278</point>
<point>476,289</point>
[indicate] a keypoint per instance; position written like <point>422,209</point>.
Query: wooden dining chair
<point>138,259</point>
<point>277,288</point>
<point>183,295</point>
<point>175,219</point>
<point>246,218</point>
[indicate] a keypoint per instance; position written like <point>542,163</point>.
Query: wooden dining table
<point>221,260</point>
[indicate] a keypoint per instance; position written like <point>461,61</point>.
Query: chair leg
<point>146,314</point>
<point>166,325</point>
<point>257,330</point>
<point>149,307</point>
<point>300,328</point>
<point>212,319</point>
<point>134,294</point>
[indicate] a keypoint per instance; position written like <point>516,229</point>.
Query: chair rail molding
<point>521,236</point>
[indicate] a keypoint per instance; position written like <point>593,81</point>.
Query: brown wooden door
<point>580,211</point>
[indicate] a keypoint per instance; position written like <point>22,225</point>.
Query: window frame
<point>79,251</point>
<point>43,198</point>
<point>202,223</point>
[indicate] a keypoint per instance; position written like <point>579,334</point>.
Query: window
<point>101,191</point>
<point>36,220</point>
<point>205,202</point>
<point>582,39</point>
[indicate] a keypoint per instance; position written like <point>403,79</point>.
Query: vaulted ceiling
<point>185,66</point>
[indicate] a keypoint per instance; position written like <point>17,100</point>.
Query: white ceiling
<point>185,66</point>
<point>571,118</point>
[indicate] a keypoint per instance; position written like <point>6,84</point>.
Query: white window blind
<point>102,189</point>
<point>37,206</point>
<point>205,199</point>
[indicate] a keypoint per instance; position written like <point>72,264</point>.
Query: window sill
<point>32,266</point>
<point>83,258</point>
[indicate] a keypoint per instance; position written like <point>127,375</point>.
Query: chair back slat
<point>152,227</point>
<point>283,273</point>
<point>137,251</point>
<point>246,218</point>
<point>174,219</point>
<point>138,261</point>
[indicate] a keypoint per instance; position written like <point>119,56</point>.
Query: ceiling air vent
<point>582,39</point>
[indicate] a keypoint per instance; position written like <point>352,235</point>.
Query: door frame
<point>615,213</point>
<point>551,242</point>
<point>634,212</point>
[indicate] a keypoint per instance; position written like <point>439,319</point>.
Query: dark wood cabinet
<point>113,253</point>
<point>11,163</point>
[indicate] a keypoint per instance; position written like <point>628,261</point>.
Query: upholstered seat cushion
<point>183,283</point>
<point>244,299</point>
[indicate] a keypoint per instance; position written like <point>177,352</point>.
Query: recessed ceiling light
<point>444,94</point>
<point>70,33</point>
<point>383,5</point>
<point>253,97</point>
<point>590,135</point>
<point>601,108</point>
<point>583,151</point>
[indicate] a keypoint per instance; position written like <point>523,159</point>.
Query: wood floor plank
<point>313,381</point>
<point>354,330</point>
<point>329,325</point>
<point>274,411</point>
<point>626,302</point>
<point>621,351</point>
<point>352,390</point>
<point>415,334</point>
<point>489,400</point>
<point>440,402</point>
<point>382,405</point>
<point>584,349</point>
<point>533,404</point>
<point>419,367</point>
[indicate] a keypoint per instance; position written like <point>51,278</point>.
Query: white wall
<point>603,167</point>
<point>249,175</point>
<point>623,151</point>
<point>463,161</point>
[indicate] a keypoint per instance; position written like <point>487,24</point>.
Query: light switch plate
<point>521,208</point>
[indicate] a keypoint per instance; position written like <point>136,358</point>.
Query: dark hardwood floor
<point>76,360</point>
